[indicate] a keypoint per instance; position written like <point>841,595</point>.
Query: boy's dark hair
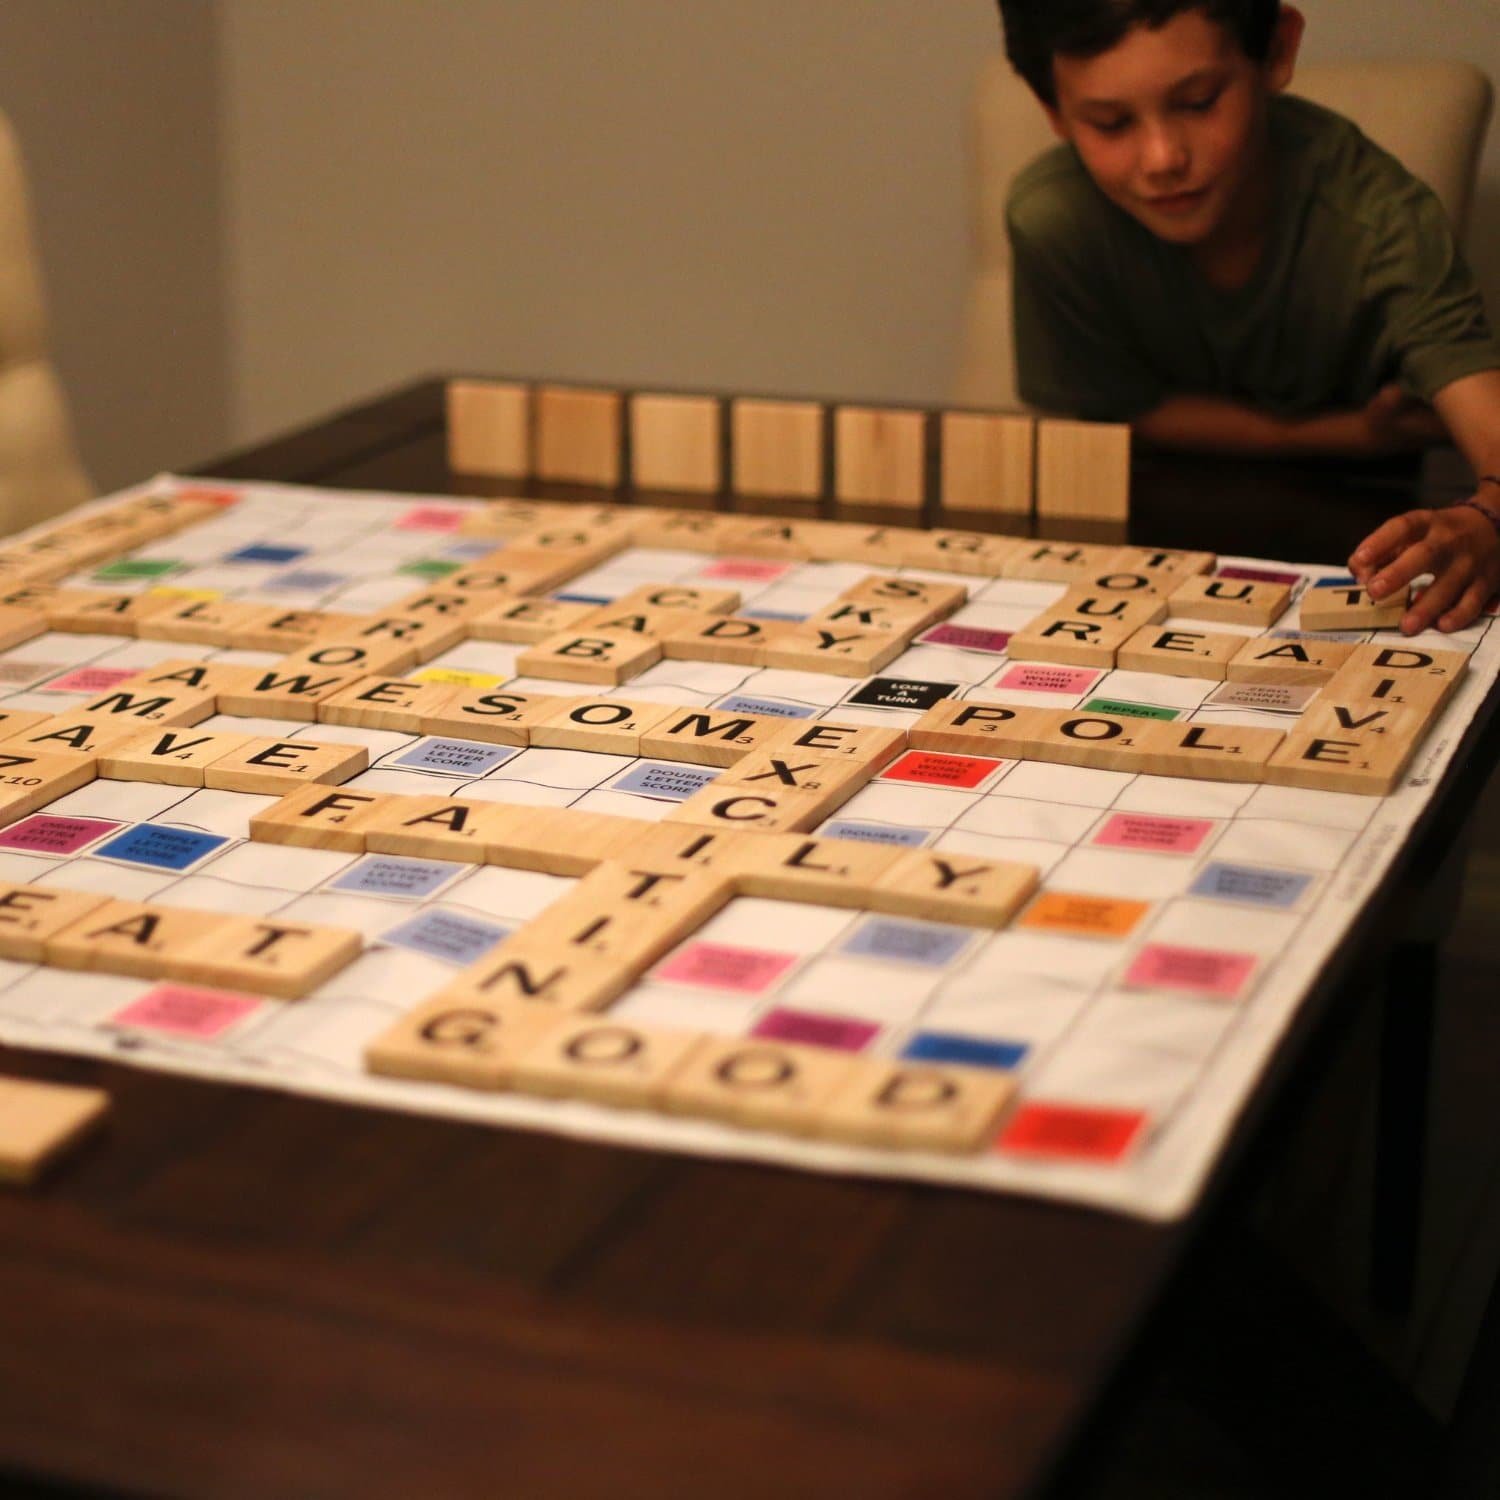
<point>1036,31</point>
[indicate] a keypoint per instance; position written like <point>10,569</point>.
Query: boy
<point>1232,269</point>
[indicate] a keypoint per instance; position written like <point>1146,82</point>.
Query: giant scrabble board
<point>918,854</point>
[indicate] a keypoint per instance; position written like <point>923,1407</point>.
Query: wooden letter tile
<point>778,448</point>
<point>273,767</point>
<point>491,716</point>
<point>542,977</point>
<point>267,956</point>
<point>1291,663</point>
<point>826,872</point>
<point>604,658</point>
<point>279,692</point>
<point>761,1085</point>
<point>1238,601</point>
<point>988,462</point>
<point>527,621</point>
<point>40,1121</point>
<point>489,428</point>
<point>629,1067</point>
<point>674,443</point>
<point>955,888</point>
<point>1209,751</point>
<point>30,914</point>
<point>611,725</point>
<point>708,737</point>
<point>456,1040</point>
<point>132,938</point>
<point>172,757</point>
<point>1351,609</point>
<point>917,1106</point>
<point>965,727</point>
<point>1420,678</point>
<point>840,652</point>
<point>392,703</point>
<point>1180,653</point>
<point>1083,470</point>
<point>451,828</point>
<point>729,638</point>
<point>578,436</point>
<point>879,456</point>
<point>1348,747</point>
<point>320,817</point>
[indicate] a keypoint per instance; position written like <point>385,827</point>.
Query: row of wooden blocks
<point>756,1084</point>
<point>84,930</point>
<point>1357,735</point>
<point>1101,626</point>
<point>725,857</point>
<point>857,455</point>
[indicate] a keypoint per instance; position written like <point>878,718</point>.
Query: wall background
<point>252,211</point>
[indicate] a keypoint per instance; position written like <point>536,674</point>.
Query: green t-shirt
<point>1360,284</point>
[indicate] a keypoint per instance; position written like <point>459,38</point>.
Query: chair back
<point>1431,116</point>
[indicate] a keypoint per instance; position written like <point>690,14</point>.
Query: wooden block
<point>872,745</point>
<point>898,621</point>
<point>825,872</point>
<point>319,817</point>
<point>350,659</point>
<point>827,781</point>
<point>611,725</point>
<point>272,767</point>
<point>988,462</point>
<point>642,621</point>
<point>396,642</point>
<point>1180,653</point>
<point>556,840</point>
<point>605,658</point>
<point>879,456</point>
<point>133,938</point>
<point>76,736</point>
<point>18,625</point>
<point>778,448</point>
<point>675,849</point>
<point>41,1121</point>
<point>458,1040</point>
<point>210,622</point>
<point>964,727</point>
<point>608,1062</point>
<point>542,978</point>
<point>1348,747</point>
<point>451,604</point>
<point>1085,628</point>
<point>30,914</point>
<point>16,721</point>
<point>917,1106</point>
<point>739,809</point>
<point>957,888</point>
<point>761,1085</point>
<point>172,757</point>
<point>979,553</point>
<point>1083,470</point>
<point>491,715</point>
<point>674,444</point>
<point>134,706</point>
<point>1239,601</point>
<point>510,517</point>
<point>489,428</point>
<point>1417,677</point>
<point>1351,609</point>
<point>688,600</point>
<point>1292,663</point>
<point>268,956</point>
<point>1165,565</point>
<point>1100,742</point>
<point>512,572</point>
<point>90,612</point>
<point>524,621</point>
<point>278,692</point>
<point>708,736</point>
<point>452,828</point>
<point>31,778</point>
<point>840,652</point>
<point>1209,751</point>
<point>272,628</point>
<point>174,676</point>
<point>684,530</point>
<point>727,638</point>
<point>630,916</point>
<point>578,436</point>
<point>927,600</point>
<point>1057,562</point>
<point>392,703</point>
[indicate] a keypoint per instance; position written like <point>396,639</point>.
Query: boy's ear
<point>1286,41</point>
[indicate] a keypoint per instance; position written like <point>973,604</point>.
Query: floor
<point>1196,1430</point>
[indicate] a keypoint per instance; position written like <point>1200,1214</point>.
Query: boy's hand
<point>1458,546</point>
<point>1394,422</point>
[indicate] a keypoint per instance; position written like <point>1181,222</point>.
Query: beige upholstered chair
<point>40,474</point>
<point>1432,116</point>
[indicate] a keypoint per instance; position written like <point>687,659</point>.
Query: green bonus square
<point>1128,710</point>
<point>431,567</point>
<point>139,567</point>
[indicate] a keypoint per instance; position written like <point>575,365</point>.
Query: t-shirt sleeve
<point>1435,323</point>
<point>1075,355</point>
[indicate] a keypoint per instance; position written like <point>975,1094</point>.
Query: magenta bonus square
<point>46,833</point>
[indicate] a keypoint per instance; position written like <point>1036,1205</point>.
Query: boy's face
<point>1171,122</point>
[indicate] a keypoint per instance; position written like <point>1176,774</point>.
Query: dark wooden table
<point>242,1293</point>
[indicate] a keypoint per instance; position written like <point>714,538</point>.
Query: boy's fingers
<point>1386,541</point>
<point>1421,557</point>
<point>1466,611</point>
<point>1441,595</point>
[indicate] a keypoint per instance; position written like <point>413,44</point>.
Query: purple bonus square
<point>46,833</point>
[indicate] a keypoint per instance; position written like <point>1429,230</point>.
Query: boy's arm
<point>1391,423</point>
<point>1458,545</point>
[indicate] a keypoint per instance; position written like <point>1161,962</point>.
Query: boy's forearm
<point>1211,424</point>
<point>1471,410</point>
